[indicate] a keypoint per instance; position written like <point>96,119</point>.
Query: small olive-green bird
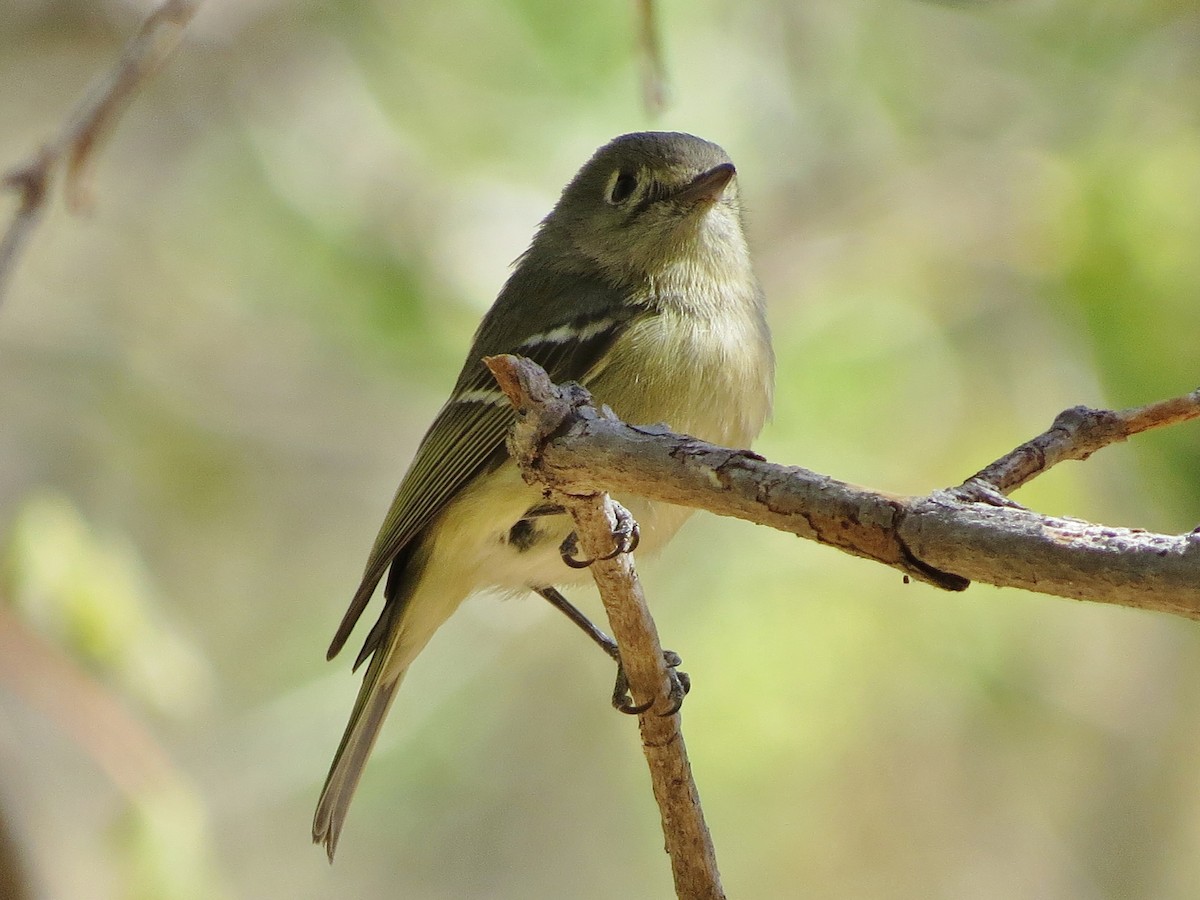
<point>638,285</point>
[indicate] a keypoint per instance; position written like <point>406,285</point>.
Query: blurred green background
<point>966,218</point>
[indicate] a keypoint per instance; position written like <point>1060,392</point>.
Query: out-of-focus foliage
<point>92,597</point>
<point>966,218</point>
<point>161,848</point>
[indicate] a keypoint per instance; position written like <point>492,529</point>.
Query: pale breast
<point>708,376</point>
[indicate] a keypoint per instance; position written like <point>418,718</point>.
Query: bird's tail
<point>370,709</point>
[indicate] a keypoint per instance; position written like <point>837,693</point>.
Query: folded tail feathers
<point>370,709</point>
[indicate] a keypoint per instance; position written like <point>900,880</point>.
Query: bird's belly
<point>527,555</point>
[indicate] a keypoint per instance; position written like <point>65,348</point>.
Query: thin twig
<point>544,407</point>
<point>688,842</point>
<point>1077,433</point>
<point>92,119</point>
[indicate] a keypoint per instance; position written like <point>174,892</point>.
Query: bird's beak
<point>707,187</point>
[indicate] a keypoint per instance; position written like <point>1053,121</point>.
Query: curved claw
<point>627,542</point>
<point>622,701</point>
<point>681,683</point>
<point>626,537</point>
<point>635,538</point>
<point>567,551</point>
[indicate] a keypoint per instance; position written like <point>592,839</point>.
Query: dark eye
<point>623,187</point>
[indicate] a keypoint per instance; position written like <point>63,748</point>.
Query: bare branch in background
<point>75,145</point>
<point>88,712</point>
<point>14,879</point>
<point>655,92</point>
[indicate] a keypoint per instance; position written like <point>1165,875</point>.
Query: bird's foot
<point>681,683</point>
<point>626,537</point>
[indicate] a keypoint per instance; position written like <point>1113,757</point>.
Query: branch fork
<point>948,538</point>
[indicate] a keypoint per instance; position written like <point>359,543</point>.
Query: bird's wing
<point>467,437</point>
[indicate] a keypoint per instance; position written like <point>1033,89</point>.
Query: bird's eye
<point>622,188</point>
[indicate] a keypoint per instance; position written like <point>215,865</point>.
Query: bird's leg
<point>626,538</point>
<point>572,612</point>
<point>621,699</point>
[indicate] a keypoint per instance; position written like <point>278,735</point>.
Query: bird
<point>639,286</point>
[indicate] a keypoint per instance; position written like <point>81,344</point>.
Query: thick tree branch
<point>940,539</point>
<point>688,843</point>
<point>1059,556</point>
<point>91,120</point>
